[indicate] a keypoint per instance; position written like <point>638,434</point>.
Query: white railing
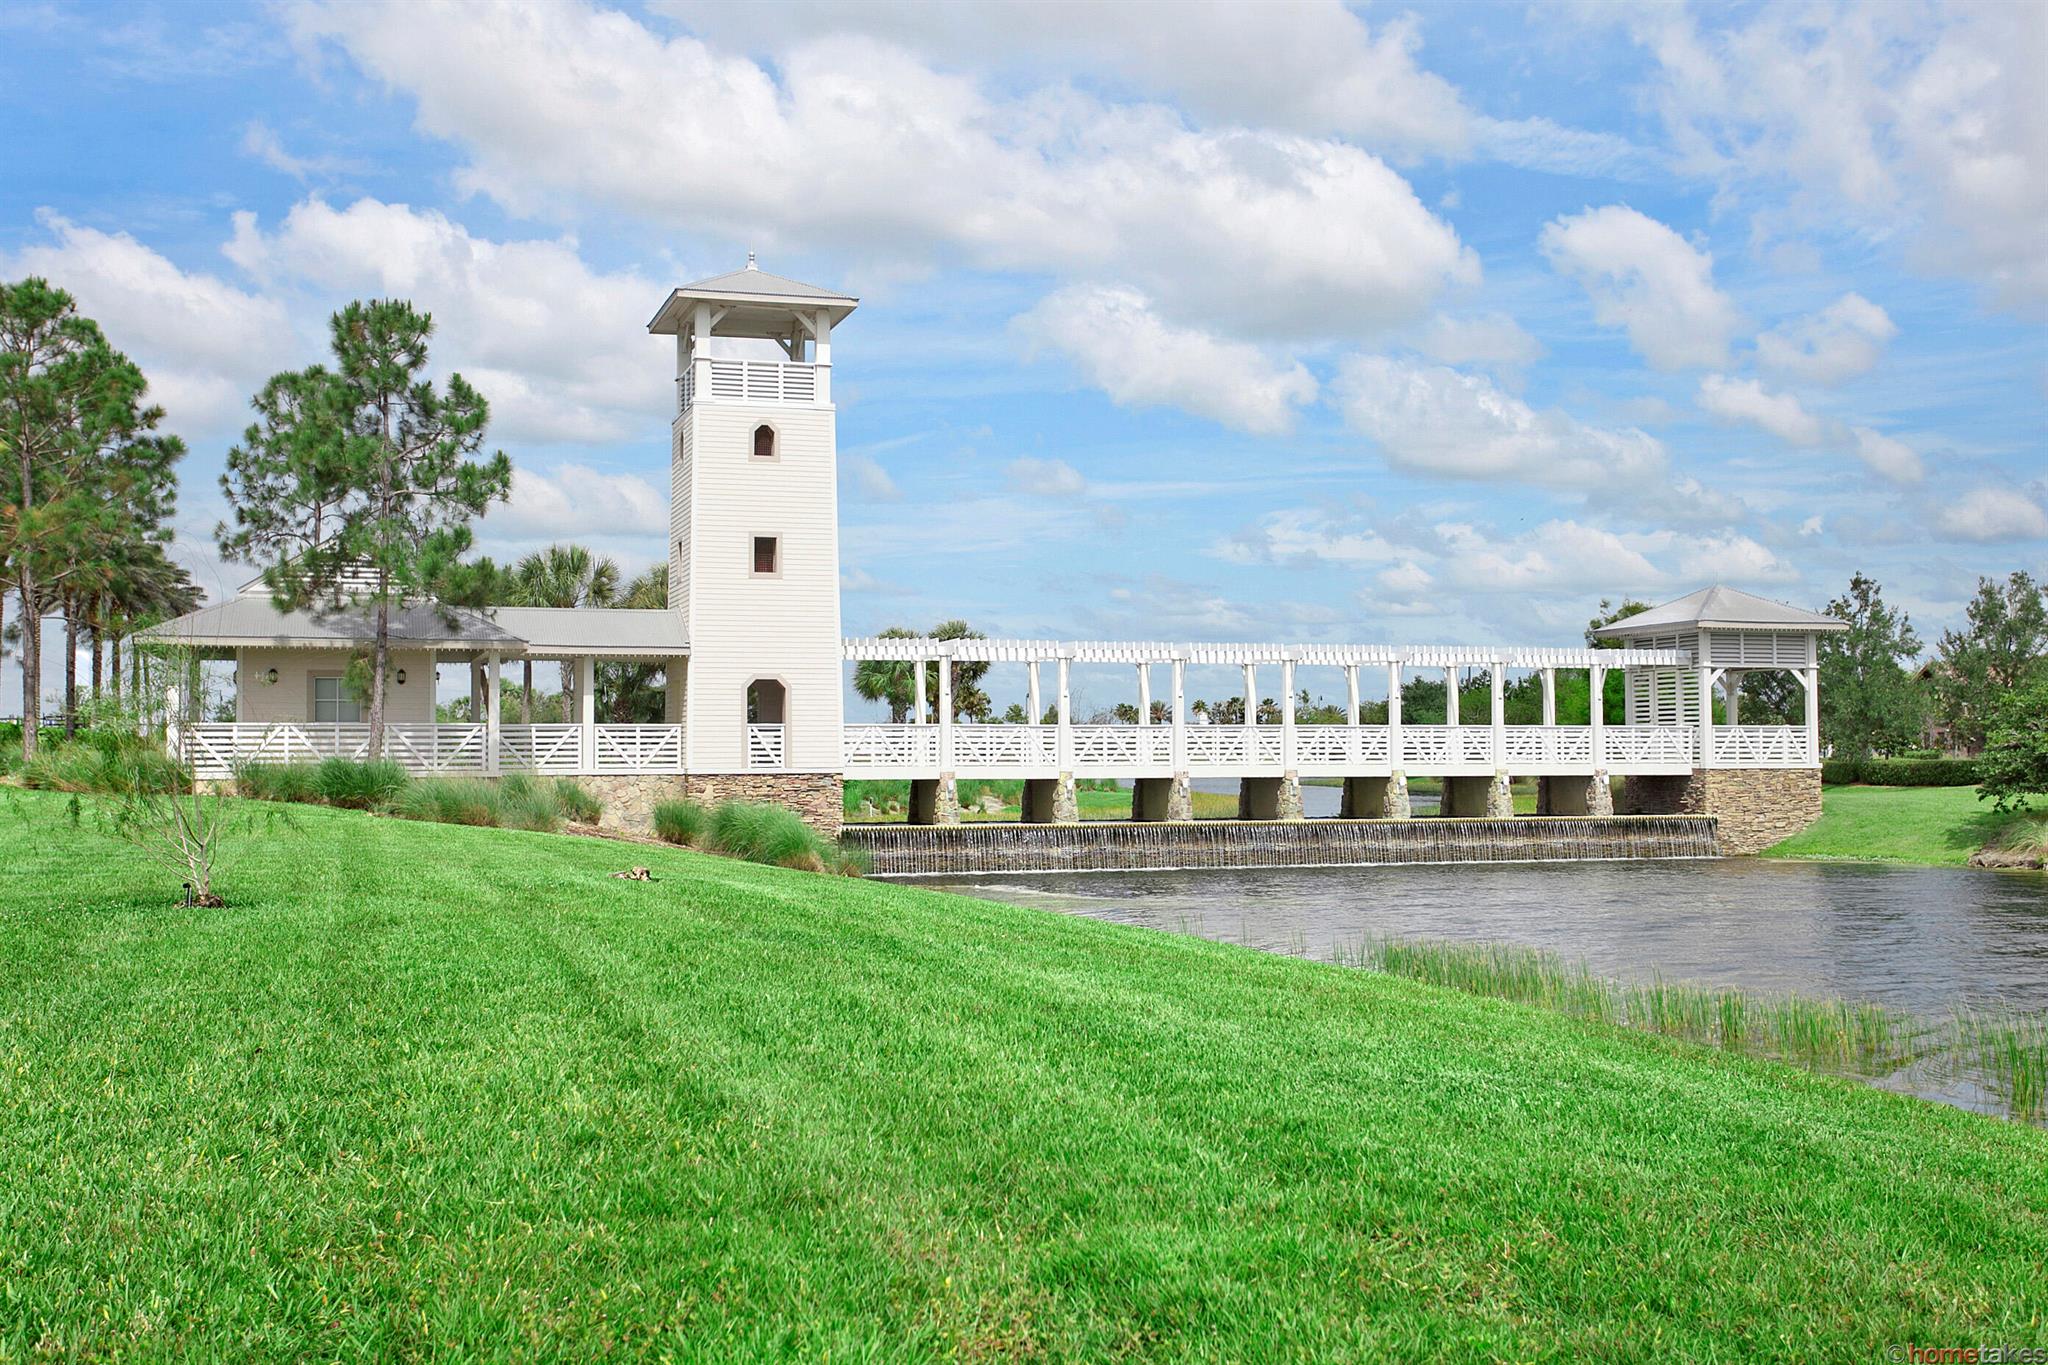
<point>764,747</point>
<point>1647,746</point>
<point>763,381</point>
<point>437,748</point>
<point>1446,746</point>
<point>541,748</point>
<point>637,748</point>
<point>870,747</point>
<point>215,750</point>
<point>995,747</point>
<point>686,390</point>
<point>1340,746</point>
<point>1534,746</point>
<point>1122,746</point>
<point>1217,746</point>
<point>1761,746</point>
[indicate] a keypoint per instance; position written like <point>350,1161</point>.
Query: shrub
<point>681,822</point>
<point>450,801</point>
<point>524,802</point>
<point>357,785</point>
<point>576,803</point>
<point>777,836</point>
<point>119,764</point>
<point>279,782</point>
<point>1900,772</point>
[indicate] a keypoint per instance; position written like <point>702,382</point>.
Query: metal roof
<point>1720,608</point>
<point>253,621</point>
<point>748,292</point>
<point>905,649</point>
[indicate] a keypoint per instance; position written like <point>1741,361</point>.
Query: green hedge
<point>1900,772</point>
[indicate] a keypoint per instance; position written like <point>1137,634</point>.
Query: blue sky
<point>1289,321</point>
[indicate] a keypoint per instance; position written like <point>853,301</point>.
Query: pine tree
<point>1869,702</point>
<point>356,485</point>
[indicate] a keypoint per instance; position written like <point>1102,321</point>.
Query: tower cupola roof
<point>753,302</point>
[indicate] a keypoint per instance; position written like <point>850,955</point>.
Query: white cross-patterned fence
<point>556,749</point>
<point>1762,746</point>
<point>637,748</point>
<point>217,750</point>
<point>1002,747</point>
<point>764,747</point>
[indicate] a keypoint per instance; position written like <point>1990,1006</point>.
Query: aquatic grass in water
<point>2007,1051</point>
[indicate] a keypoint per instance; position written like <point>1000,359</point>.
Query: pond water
<point>1928,941</point>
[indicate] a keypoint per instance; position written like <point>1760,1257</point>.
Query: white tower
<point>754,512</point>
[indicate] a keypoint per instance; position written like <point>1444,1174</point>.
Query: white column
<point>1451,695</point>
<point>1496,671</point>
<point>1144,694</point>
<point>1066,718</point>
<point>1034,703</point>
<point>1251,714</point>
<point>822,355</point>
<point>173,741</point>
<point>1180,716</point>
<point>1353,741</point>
<point>1731,688</point>
<point>917,691</point>
<point>1811,678</point>
<point>1706,690</point>
<point>586,709</point>
<point>1287,715</point>
<point>492,694</point>
<point>1596,713</point>
<point>946,712</point>
<point>1394,714</point>
<point>1550,696</point>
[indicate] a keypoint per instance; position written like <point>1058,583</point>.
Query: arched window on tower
<point>767,723</point>
<point>764,442</point>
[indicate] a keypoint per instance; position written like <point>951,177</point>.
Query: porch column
<point>917,689</point>
<point>491,697</point>
<point>1810,677</point>
<point>1731,688</point>
<point>476,688</point>
<point>586,709</point>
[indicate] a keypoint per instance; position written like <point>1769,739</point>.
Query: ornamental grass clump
<point>298,782</point>
<point>119,764</point>
<point>370,784</point>
<point>450,801</point>
<point>577,804</point>
<point>525,802</point>
<point>779,837</point>
<point>681,822</point>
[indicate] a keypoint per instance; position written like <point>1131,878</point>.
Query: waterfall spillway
<point>1134,846</point>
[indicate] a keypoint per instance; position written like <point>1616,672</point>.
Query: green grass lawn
<point>1938,825</point>
<point>425,1090</point>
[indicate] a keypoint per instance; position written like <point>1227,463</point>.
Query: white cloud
<point>261,141</point>
<point>1746,400</point>
<point>1139,361</point>
<point>869,477</point>
<point>1992,514</point>
<point>1406,578</point>
<point>1044,478</point>
<point>855,144</point>
<point>1305,537</point>
<point>205,345</point>
<point>1486,338</point>
<point>575,500</point>
<point>559,349</point>
<point>1310,66</point>
<point>1926,118</point>
<point>1841,341</point>
<point>1558,556</point>
<point>1450,424</point>
<point>1892,458</point>
<point>1645,278</point>
<point>1730,558</point>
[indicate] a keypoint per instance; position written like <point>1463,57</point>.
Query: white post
<point>1451,695</point>
<point>1287,715</point>
<point>917,688</point>
<point>586,709</point>
<point>1251,714</point>
<point>1706,691</point>
<point>491,699</point>
<point>1731,688</point>
<point>173,739</point>
<point>1550,713</point>
<point>1066,719</point>
<point>1811,678</point>
<point>1144,694</point>
<point>1394,714</point>
<point>1180,717</point>
<point>1354,743</point>
<point>1596,713</point>
<point>1494,671</point>
<point>945,710</point>
<point>1033,703</point>
<point>822,352</point>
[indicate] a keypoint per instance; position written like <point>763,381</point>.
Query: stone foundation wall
<point>630,798</point>
<point>1755,807</point>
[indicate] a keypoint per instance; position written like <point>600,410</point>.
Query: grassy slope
<point>424,1085</point>
<point>1937,825</point>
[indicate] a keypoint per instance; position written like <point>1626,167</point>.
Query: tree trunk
<point>379,657</point>
<point>70,669</point>
<point>526,695</point>
<point>99,670</point>
<point>114,662</point>
<point>31,664</point>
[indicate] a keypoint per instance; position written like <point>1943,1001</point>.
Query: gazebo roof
<point>753,299</point>
<point>1719,608</point>
<point>253,621</point>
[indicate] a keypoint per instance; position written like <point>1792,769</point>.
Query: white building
<point>753,660</point>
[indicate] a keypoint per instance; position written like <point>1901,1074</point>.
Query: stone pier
<point>935,801</point>
<point>1479,798</point>
<point>1163,798</point>
<point>1753,807</point>
<point>1269,798</point>
<point>1575,795</point>
<point>1051,801</point>
<point>1375,798</point>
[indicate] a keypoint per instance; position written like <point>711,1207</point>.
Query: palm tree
<point>562,576</point>
<point>890,680</point>
<point>624,690</point>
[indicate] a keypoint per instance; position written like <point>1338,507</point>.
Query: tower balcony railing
<point>747,381</point>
